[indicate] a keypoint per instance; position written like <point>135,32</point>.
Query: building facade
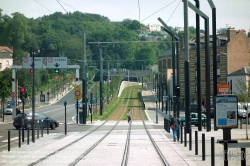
<point>6,59</point>
<point>233,52</point>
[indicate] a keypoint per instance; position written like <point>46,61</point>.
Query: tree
<point>222,31</point>
<point>244,97</point>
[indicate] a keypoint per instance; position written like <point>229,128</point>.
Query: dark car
<point>194,119</point>
<point>40,120</point>
<point>193,107</point>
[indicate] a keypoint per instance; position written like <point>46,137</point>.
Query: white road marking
<point>14,138</point>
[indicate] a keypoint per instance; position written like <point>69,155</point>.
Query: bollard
<point>8,140</point>
<point>47,126</point>
<point>196,142</point>
<point>240,123</point>
<point>28,136</point>
<point>212,152</point>
<point>41,128</point>
<point>203,147</point>
<point>225,153</point>
<point>37,131</point>
<point>178,133</point>
<point>19,137</point>
<point>181,134</point>
<point>185,137</point>
<point>190,139</point>
<point>243,156</point>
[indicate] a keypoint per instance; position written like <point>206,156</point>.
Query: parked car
<point>8,110</point>
<point>194,119</point>
<point>241,112</point>
<point>40,120</point>
<point>193,107</point>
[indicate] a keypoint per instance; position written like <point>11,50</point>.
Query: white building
<point>154,27</point>
<point>6,59</point>
<point>241,74</point>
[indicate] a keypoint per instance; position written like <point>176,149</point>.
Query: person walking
<point>129,116</point>
<point>175,126</point>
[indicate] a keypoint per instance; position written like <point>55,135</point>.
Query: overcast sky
<point>230,13</point>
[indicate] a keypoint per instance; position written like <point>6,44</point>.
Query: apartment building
<point>233,53</point>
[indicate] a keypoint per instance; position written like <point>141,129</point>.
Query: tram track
<point>84,136</point>
<point>137,107</point>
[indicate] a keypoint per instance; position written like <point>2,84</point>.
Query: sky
<point>229,13</point>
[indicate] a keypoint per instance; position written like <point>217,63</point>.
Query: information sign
<point>27,62</point>
<point>57,62</point>
<point>226,111</point>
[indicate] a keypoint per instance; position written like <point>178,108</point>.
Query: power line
<point>62,6</point>
<point>158,10</point>
<point>173,12</point>
<point>43,6</point>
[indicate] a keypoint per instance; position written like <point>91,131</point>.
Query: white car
<point>8,110</point>
<point>241,111</point>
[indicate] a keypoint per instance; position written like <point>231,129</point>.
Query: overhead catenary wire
<point>62,6</point>
<point>158,10</point>
<point>43,6</point>
<point>174,11</point>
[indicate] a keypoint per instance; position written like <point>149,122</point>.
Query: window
<point>7,63</point>
<point>218,58</point>
<point>169,64</point>
<point>0,65</point>
<point>218,72</point>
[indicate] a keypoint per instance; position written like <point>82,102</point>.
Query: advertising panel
<point>226,111</point>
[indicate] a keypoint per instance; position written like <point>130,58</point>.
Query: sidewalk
<point>234,155</point>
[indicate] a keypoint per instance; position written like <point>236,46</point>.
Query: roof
<point>242,71</point>
<point>5,55</point>
<point>5,48</point>
<point>167,53</point>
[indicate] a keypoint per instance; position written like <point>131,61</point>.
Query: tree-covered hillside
<point>65,31</point>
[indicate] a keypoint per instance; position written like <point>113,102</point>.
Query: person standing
<point>129,116</point>
<point>175,122</point>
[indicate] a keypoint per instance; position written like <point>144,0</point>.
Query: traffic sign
<point>223,88</point>
<point>27,62</point>
<point>57,62</point>
<point>13,94</point>
<point>13,103</point>
<point>77,92</point>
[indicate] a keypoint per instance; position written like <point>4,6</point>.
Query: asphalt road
<point>55,110</point>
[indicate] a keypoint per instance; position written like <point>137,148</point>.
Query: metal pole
<point>65,124</point>
<point>203,147</point>
<point>207,66</point>
<point>198,66</point>
<point>91,97</point>
<point>84,84</point>
<point>23,120</point>
<point>212,152</point>
<point>196,142</point>
<point>8,140</point>
<point>186,65</point>
<point>77,113</point>
<point>101,80</point>
<point>33,96</point>
<point>3,104</point>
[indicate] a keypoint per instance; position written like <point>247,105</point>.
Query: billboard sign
<point>226,111</point>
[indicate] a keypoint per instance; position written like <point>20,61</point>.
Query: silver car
<point>8,110</point>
